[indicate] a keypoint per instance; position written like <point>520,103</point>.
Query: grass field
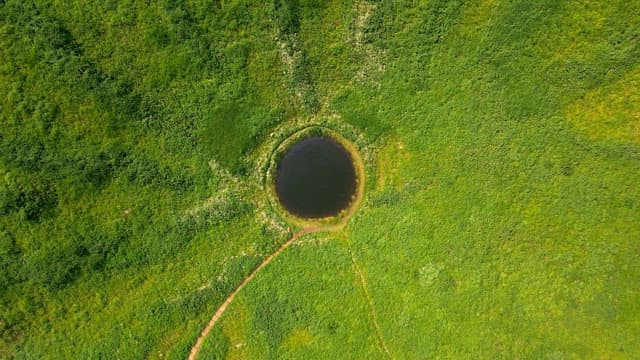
<point>500,218</point>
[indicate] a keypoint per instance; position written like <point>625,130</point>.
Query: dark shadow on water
<point>316,178</point>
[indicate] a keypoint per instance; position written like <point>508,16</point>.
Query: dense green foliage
<point>501,212</point>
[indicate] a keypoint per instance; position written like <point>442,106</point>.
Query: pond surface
<point>316,178</point>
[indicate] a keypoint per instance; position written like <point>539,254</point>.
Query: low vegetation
<point>499,220</point>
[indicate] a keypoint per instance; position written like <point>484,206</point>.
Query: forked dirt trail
<point>223,307</point>
<point>216,316</point>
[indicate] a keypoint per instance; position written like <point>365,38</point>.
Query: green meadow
<point>500,216</point>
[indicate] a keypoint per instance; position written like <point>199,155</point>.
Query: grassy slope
<point>308,299</point>
<point>500,221</point>
<point>497,227</point>
<point>110,110</point>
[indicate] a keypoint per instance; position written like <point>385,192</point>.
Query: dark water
<point>316,178</point>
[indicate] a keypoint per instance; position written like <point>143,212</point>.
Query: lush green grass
<point>280,318</point>
<point>500,215</point>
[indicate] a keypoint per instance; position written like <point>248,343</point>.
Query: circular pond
<point>315,178</point>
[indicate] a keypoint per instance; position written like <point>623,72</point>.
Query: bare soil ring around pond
<point>314,177</point>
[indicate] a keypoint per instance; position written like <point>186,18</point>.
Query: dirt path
<point>229,300</point>
<point>313,229</point>
<point>372,311</point>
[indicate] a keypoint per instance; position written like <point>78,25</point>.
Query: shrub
<point>30,197</point>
